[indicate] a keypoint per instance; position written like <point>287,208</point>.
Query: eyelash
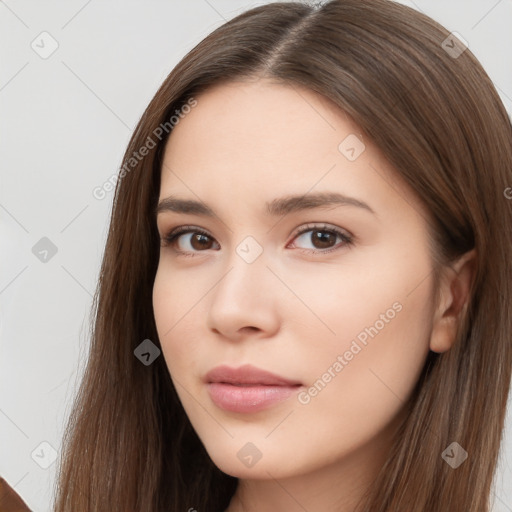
<point>170,238</point>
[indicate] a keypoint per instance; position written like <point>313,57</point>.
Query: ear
<point>454,293</point>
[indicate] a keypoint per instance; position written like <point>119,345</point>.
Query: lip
<point>247,375</point>
<point>247,389</point>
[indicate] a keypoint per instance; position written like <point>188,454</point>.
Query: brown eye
<point>200,241</point>
<point>188,240</point>
<point>191,240</point>
<point>322,239</point>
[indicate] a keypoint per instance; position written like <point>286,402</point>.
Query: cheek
<point>382,325</point>
<point>172,303</point>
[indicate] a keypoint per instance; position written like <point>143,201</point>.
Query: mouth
<point>247,389</point>
<point>247,375</point>
<point>254,384</point>
<point>248,398</point>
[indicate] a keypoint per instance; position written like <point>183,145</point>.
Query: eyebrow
<point>276,207</point>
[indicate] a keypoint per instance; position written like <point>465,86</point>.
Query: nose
<point>245,301</point>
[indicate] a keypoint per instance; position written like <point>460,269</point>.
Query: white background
<point>66,121</point>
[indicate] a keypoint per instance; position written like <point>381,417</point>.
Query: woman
<point>303,303</point>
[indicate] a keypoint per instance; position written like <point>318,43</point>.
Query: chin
<point>246,460</point>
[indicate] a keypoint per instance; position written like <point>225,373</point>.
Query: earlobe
<point>455,294</point>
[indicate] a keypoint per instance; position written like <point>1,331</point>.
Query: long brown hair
<point>437,117</point>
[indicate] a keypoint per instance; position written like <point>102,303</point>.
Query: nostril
<point>251,328</point>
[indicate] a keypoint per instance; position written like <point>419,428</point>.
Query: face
<point>333,295</point>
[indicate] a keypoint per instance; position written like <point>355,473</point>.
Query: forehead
<point>284,121</point>
<point>262,140</point>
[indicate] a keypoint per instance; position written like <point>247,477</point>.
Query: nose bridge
<point>242,297</point>
<point>246,268</point>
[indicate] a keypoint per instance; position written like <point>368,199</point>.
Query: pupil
<point>200,239</point>
<point>323,237</point>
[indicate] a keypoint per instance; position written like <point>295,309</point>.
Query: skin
<point>293,311</point>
